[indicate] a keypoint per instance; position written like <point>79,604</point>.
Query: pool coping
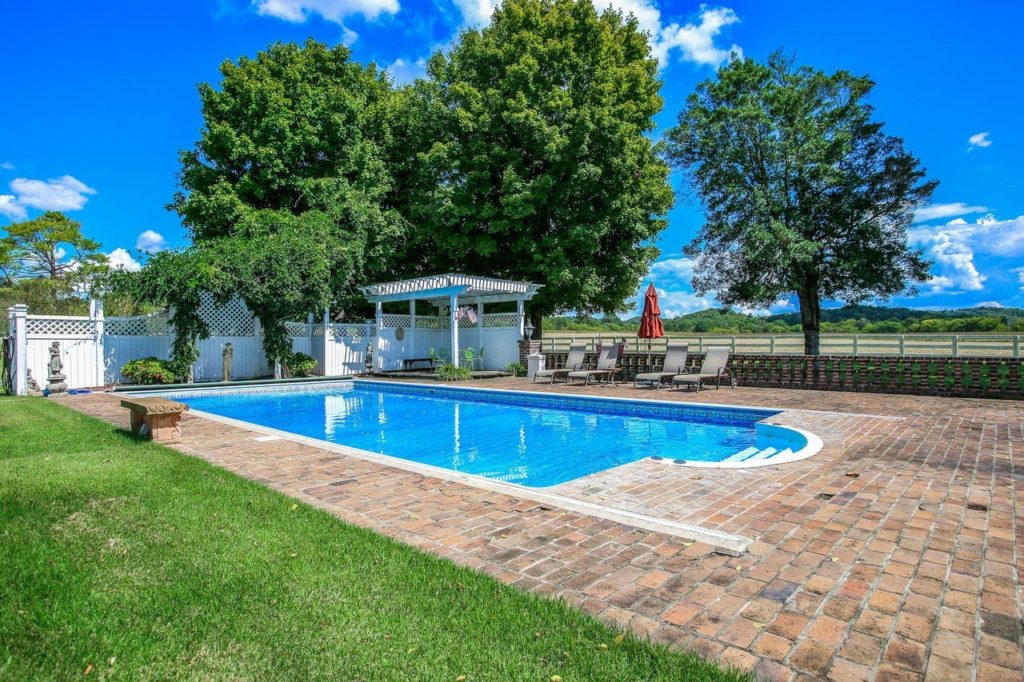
<point>726,543</point>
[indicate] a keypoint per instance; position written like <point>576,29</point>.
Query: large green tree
<point>284,194</point>
<point>535,162</point>
<point>804,193</point>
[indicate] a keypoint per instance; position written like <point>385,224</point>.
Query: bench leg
<point>164,428</point>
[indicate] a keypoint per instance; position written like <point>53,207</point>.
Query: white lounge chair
<point>673,365</point>
<point>605,366</point>
<point>715,366</point>
<point>577,354</point>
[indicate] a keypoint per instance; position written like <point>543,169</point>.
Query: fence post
<point>326,344</point>
<point>902,345</point>
<point>1016,346</point>
<point>732,346</point>
<point>700,344</point>
<point>16,315</point>
<point>771,345</point>
<point>99,322</point>
<point>956,345</point>
<point>856,338</point>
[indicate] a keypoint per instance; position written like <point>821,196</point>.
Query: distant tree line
<point>847,320</point>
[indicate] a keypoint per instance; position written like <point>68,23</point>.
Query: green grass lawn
<point>122,559</point>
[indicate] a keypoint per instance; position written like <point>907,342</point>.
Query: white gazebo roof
<point>468,288</point>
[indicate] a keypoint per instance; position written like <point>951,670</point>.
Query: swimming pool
<point>530,439</point>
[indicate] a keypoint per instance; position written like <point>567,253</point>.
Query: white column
<point>325,344</point>
<point>522,318</point>
<point>379,361</point>
<point>479,330</point>
<point>96,313</point>
<point>411,343</point>
<point>453,305</point>
<point>16,315</point>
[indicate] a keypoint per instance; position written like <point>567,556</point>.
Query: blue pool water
<point>529,439</point>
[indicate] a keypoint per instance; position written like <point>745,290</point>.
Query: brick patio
<point>892,554</point>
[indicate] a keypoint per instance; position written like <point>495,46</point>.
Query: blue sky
<point>99,98</point>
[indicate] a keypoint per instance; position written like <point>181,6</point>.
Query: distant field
<point>951,345</point>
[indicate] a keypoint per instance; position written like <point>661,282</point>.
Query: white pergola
<point>452,290</point>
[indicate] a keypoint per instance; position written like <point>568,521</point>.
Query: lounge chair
<point>715,366</point>
<point>673,365</point>
<point>605,366</point>
<point>577,354</point>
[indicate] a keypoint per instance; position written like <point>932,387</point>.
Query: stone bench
<point>155,418</point>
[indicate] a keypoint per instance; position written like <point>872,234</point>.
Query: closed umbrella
<point>650,319</point>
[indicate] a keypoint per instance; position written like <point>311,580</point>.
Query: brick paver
<point>892,554</point>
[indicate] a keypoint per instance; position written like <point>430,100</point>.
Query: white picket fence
<point>93,349</point>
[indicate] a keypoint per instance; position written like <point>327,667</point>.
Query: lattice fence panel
<point>59,326</point>
<point>394,320</point>
<point>431,322</point>
<point>354,331</point>
<point>141,325</point>
<point>501,320</point>
<point>300,329</point>
<point>231,319</point>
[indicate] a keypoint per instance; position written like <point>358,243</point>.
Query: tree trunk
<point>537,320</point>
<point>810,319</point>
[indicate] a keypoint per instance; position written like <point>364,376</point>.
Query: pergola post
<point>379,361</point>
<point>522,318</point>
<point>412,323</point>
<point>453,307</point>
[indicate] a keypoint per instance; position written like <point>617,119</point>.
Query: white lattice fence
<point>501,320</point>
<point>59,327</point>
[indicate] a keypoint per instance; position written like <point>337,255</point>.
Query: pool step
<point>753,454</point>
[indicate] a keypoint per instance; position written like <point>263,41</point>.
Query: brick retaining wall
<point>964,377</point>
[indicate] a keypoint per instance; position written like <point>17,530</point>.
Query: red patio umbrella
<point>650,319</point>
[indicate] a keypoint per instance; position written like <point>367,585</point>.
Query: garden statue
<point>33,385</point>
<point>55,379</point>
<point>227,357</point>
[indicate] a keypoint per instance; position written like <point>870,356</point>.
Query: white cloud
<point>955,262</point>
<point>978,140</point>
<point>298,11</point>
<point>676,303</point>
<point>1020,276</point>
<point>9,207</point>
<point>939,211</point>
<point>403,71</point>
<point>674,268</point>
<point>953,246</point>
<point>65,193</point>
<point>989,304</point>
<point>696,41</point>
<point>150,242</point>
<point>120,259</point>
<point>476,12</point>
<point>7,165</point>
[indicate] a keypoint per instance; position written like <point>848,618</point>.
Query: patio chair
<point>605,366</point>
<point>715,366</point>
<point>577,354</point>
<point>673,365</point>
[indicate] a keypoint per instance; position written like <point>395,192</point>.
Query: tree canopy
<point>283,194</point>
<point>534,161</point>
<point>804,193</point>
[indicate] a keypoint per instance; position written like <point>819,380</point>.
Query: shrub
<point>301,365</point>
<point>516,369</point>
<point>453,373</point>
<point>148,371</point>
